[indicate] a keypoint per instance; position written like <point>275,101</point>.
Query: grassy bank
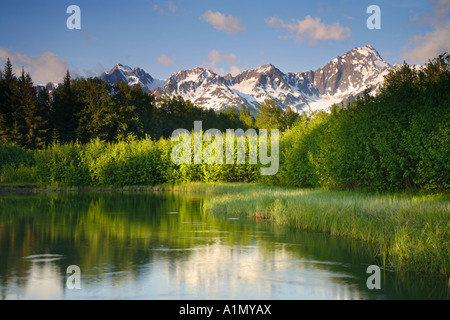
<point>408,232</point>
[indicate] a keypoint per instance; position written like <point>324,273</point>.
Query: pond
<point>164,246</point>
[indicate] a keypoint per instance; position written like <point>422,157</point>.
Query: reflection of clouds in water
<point>247,272</point>
<point>214,271</point>
<point>220,271</point>
<point>44,281</point>
<point>44,257</point>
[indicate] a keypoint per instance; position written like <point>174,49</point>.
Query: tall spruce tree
<point>65,110</point>
<point>2,99</point>
<point>97,116</point>
<point>8,101</point>
<point>32,122</point>
<point>44,105</point>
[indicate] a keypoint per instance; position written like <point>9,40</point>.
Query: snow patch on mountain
<point>132,77</point>
<point>344,78</point>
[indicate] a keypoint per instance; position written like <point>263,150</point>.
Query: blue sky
<point>165,36</point>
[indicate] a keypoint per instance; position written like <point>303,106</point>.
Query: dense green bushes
<point>397,140</point>
<point>13,155</point>
<point>104,164</point>
<point>133,162</point>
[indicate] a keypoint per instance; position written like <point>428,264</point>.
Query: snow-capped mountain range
<point>342,79</point>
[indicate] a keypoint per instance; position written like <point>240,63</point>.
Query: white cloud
<point>234,70</point>
<point>430,45</point>
<point>165,60</point>
<point>94,71</point>
<point>222,22</point>
<point>216,58</point>
<point>421,48</point>
<point>311,29</point>
<point>47,67</point>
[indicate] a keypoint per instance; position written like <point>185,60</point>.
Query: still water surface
<point>164,246</point>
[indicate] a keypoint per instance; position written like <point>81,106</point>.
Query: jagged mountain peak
<point>348,75</point>
<point>370,49</point>
<point>366,48</point>
<point>267,68</point>
<point>364,55</point>
<point>136,76</point>
<point>264,69</point>
<point>260,75</point>
<point>120,68</point>
<point>196,74</point>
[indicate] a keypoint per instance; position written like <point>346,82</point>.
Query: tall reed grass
<point>407,232</point>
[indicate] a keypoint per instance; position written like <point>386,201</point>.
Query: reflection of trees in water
<point>120,237</point>
<point>100,232</point>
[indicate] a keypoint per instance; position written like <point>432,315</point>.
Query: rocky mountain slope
<point>132,77</point>
<point>342,79</point>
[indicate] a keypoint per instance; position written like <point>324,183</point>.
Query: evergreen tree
<point>30,116</point>
<point>246,119</point>
<point>229,119</point>
<point>126,120</point>
<point>18,130</point>
<point>44,105</point>
<point>8,102</point>
<point>174,113</point>
<point>97,116</point>
<point>288,118</point>
<point>65,111</point>
<point>209,119</point>
<point>2,106</point>
<point>269,115</point>
<point>145,107</point>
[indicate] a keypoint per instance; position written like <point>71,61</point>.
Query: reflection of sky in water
<point>214,271</point>
<point>43,281</point>
<point>244,272</point>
